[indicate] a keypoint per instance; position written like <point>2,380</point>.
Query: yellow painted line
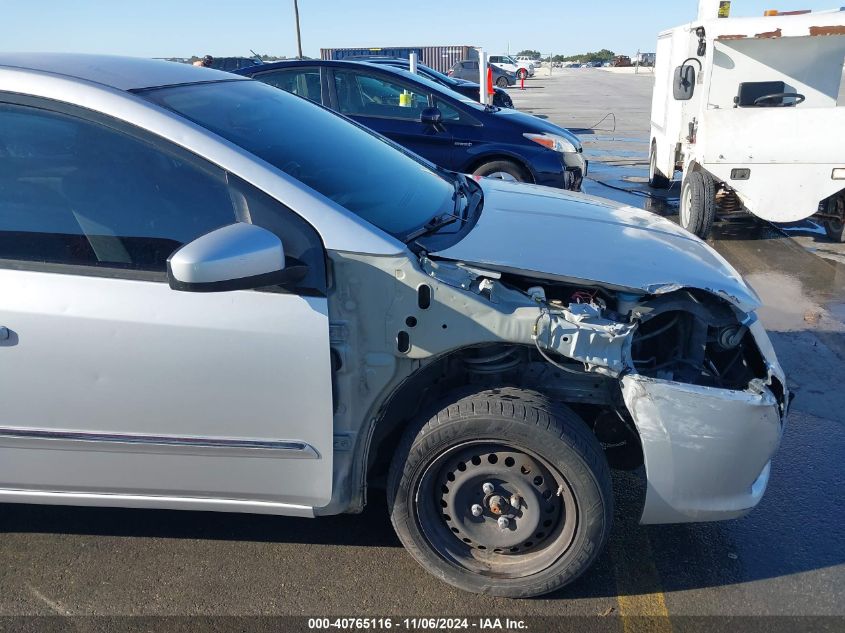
<point>639,594</point>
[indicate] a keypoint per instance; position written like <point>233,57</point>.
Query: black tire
<point>540,439</point>
<point>502,100</point>
<point>502,82</point>
<point>656,179</point>
<point>835,227</point>
<point>521,74</point>
<point>698,203</point>
<point>501,169</point>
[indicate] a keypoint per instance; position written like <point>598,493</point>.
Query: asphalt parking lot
<point>787,558</point>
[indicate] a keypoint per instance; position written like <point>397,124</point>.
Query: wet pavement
<point>786,558</point>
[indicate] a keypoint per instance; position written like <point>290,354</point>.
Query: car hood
<point>572,237</point>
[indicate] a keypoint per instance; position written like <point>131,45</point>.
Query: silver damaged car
<point>219,296</point>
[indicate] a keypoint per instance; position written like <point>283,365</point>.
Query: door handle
<point>4,333</point>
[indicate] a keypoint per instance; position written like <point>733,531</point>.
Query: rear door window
<point>374,96</point>
<point>304,82</point>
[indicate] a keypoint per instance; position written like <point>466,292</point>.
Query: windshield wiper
<point>433,225</point>
<point>466,201</point>
<point>472,194</point>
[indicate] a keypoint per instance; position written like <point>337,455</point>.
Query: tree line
<point>604,55</point>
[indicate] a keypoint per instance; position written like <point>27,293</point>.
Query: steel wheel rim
<point>541,529</point>
<point>686,206</point>
<point>652,166</point>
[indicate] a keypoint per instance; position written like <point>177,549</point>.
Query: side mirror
<point>432,117</point>
<point>239,256</point>
<point>683,86</point>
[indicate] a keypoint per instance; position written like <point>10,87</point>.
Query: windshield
<point>341,160</point>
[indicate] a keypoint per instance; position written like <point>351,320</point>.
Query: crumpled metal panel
<point>580,332</point>
<point>707,450</point>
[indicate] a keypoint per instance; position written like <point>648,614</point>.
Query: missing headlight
<point>686,340</point>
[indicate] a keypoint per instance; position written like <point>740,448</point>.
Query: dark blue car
<point>441,125</point>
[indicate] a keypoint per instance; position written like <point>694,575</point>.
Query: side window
<point>302,243</point>
<point>304,82</point>
<point>77,192</point>
<point>373,96</point>
<point>453,115</point>
<point>471,65</point>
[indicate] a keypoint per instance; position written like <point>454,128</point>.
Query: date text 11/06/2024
<point>448,624</point>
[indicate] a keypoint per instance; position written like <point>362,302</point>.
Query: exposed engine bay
<point>687,336</point>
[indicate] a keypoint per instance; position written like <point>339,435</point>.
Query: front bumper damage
<point>707,451</point>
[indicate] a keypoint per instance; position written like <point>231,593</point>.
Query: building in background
<point>440,58</point>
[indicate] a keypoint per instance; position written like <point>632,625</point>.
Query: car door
<point>466,130</point>
<point>392,107</point>
<point>504,63</point>
<point>117,389</point>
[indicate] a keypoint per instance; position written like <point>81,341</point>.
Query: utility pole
<point>298,36</point>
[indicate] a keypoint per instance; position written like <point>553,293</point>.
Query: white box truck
<point>747,109</point>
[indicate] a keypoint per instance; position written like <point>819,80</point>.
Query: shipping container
<point>440,58</point>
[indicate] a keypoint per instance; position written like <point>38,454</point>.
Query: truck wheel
<point>656,180</point>
<point>502,170</point>
<point>698,203</point>
<point>835,226</point>
<point>502,82</point>
<point>501,492</point>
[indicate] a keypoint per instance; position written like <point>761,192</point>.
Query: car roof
<point>341,63</point>
<point>122,73</point>
<point>287,63</point>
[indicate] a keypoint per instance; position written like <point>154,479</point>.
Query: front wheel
<point>656,179</point>
<point>501,492</point>
<point>698,203</point>
<point>522,73</point>
<point>834,224</point>
<point>502,82</point>
<point>502,170</point>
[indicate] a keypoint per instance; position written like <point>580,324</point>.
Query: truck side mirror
<point>683,87</point>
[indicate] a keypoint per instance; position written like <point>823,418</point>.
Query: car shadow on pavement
<point>372,528</point>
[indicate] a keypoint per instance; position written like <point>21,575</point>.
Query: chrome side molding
<point>189,445</point>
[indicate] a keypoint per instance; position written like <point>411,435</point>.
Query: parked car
<point>439,124</point>
<point>468,69</point>
<point>524,59</point>
<point>228,317</point>
<point>622,61</point>
<point>234,63</point>
<point>469,89</point>
<point>505,62</point>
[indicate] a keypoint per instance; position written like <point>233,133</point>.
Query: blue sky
<point>164,28</point>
